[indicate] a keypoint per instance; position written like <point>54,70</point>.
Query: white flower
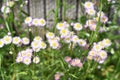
<point>77,26</point>
<point>37,38</point>
<point>28,20</point>
<point>35,22</point>
<point>36,49</point>
<point>16,40</point>
<point>27,60</point>
<point>75,39</point>
<point>64,32</point>
<point>91,12</point>
<point>103,54</point>
<point>35,44</point>
<point>25,40</point>
<point>60,26</point>
<point>50,35</point>
<point>7,39</point>
<point>81,42</point>
<point>54,44</point>
<point>42,22</point>
<point>5,9</point>
<point>107,42</point>
<point>36,60</point>
<point>10,3</point>
<point>1,43</point>
<point>19,59</point>
<point>97,47</point>
<point>42,45</point>
<point>88,5</point>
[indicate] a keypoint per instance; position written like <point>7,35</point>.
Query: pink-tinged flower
<point>81,42</point>
<point>36,60</point>
<point>97,47</point>
<point>5,9</point>
<point>100,14</point>
<point>107,42</point>
<point>67,59</point>
<point>27,60</point>
<point>75,62</point>
<point>19,59</point>
<point>28,20</point>
<point>25,41</point>
<point>93,27</point>
<point>42,22</point>
<point>104,19</point>
<point>91,12</point>
<point>89,5</point>
<point>57,76</point>
<point>80,64</point>
<point>77,26</point>
<point>35,22</point>
<point>102,54</point>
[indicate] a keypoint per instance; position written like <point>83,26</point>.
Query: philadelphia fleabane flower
<point>107,42</point>
<point>5,9</point>
<point>27,60</point>
<point>7,39</point>
<point>25,41</point>
<point>81,42</point>
<point>28,20</point>
<point>78,26</point>
<point>35,22</point>
<point>16,40</point>
<point>10,3</point>
<point>41,22</point>
<point>91,12</point>
<point>60,26</point>
<point>64,32</point>
<point>50,35</point>
<point>42,45</point>
<point>19,59</point>
<point>88,5</point>
<point>36,60</point>
<point>75,38</point>
<point>1,43</point>
<point>37,38</point>
<point>54,44</point>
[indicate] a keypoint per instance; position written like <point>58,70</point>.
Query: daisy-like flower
<point>28,54</point>
<point>50,35</point>
<point>97,47</point>
<point>36,49</point>
<point>16,40</point>
<point>25,41</point>
<point>100,14</point>
<point>67,59</point>
<point>103,54</point>
<point>7,39</point>
<point>67,39</point>
<point>64,32</point>
<point>1,43</point>
<point>35,44</point>
<point>28,20</point>
<point>57,76</point>
<point>104,19</point>
<point>93,27</point>
<point>19,59</point>
<point>10,3</point>
<point>37,38</point>
<point>36,60</point>
<point>35,22</point>
<point>75,38</point>
<point>76,62</point>
<point>54,44</point>
<point>81,42</point>
<point>92,53</point>
<point>42,22</point>
<point>107,42</point>
<point>90,22</point>
<point>78,26</point>
<point>42,45</point>
<point>88,5</point>
<point>91,12</point>
<point>27,60</point>
<point>60,26</point>
<point>5,9</point>
<point>101,44</point>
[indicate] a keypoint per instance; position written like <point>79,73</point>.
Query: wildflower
<point>50,35</point>
<point>19,59</point>
<point>64,32</point>
<point>93,27</point>
<point>107,42</point>
<point>1,43</point>
<point>42,22</point>
<point>35,44</point>
<point>7,39</point>
<point>97,47</point>
<point>104,19</point>
<point>28,20</point>
<point>103,54</point>
<point>37,38</point>
<point>89,5</point>
<point>67,59</point>
<point>36,60</point>
<point>42,45</point>
<point>35,22</point>
<point>91,12</point>
<point>27,60</point>
<point>77,26</point>
<point>57,76</point>
<point>5,9</point>
<point>75,38</point>
<point>25,40</point>
<point>60,26</point>
<point>54,44</point>
<point>81,42</point>
<point>10,3</point>
<point>16,40</point>
<point>76,62</point>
